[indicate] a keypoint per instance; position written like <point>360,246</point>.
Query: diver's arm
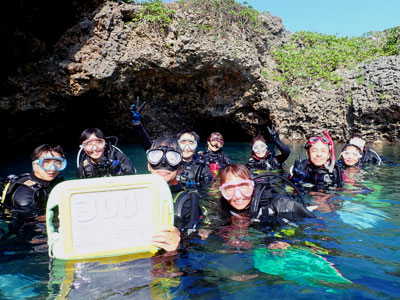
<point>126,164</point>
<point>143,136</point>
<point>141,133</point>
<point>285,151</point>
<point>274,137</point>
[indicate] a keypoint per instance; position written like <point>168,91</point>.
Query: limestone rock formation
<point>203,71</point>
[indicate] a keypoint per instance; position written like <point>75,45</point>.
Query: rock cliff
<point>202,71</point>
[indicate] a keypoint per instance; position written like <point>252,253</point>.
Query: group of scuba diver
<point>243,192</point>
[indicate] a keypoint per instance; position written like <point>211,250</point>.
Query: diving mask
<point>245,187</point>
<point>90,144</point>
<point>164,158</point>
<point>259,147</point>
<point>48,162</point>
<point>189,144</point>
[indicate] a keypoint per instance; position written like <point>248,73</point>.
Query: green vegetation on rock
<point>311,56</point>
<point>154,11</point>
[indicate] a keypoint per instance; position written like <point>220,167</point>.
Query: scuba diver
<point>164,158</point>
<point>100,157</point>
<point>214,156</point>
<point>194,171</point>
<point>257,198</point>
<point>28,192</point>
<point>350,156</point>
<point>320,169</point>
<point>369,156</point>
<point>264,159</point>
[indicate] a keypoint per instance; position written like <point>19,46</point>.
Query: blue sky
<point>342,17</point>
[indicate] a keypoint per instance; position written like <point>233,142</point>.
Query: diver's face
<point>41,173</point>
<point>239,190</point>
<point>318,154</point>
<point>168,175</point>
<point>214,144</point>
<point>94,147</point>
<point>351,156</point>
<point>260,149</point>
<point>188,145</point>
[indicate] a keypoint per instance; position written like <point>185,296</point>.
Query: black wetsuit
<point>370,157</point>
<point>320,177</point>
<point>216,161</point>
<point>29,192</point>
<point>186,208</point>
<point>267,163</point>
<point>268,206</point>
<point>270,162</point>
<point>194,172</point>
<point>112,163</point>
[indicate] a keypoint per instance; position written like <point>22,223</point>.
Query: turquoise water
<point>350,251</point>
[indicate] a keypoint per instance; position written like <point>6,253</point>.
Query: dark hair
<point>166,141</point>
<point>191,132</point>
<point>259,137</point>
<point>215,135</point>
<point>89,131</point>
<point>47,148</point>
<point>235,169</point>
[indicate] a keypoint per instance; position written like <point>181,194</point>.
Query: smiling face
<point>188,145</point>
<point>41,173</point>
<point>94,147</point>
<point>318,153</point>
<point>260,149</point>
<point>351,156</point>
<point>168,175</point>
<point>239,190</point>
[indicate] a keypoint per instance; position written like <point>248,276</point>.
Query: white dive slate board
<point>107,216</point>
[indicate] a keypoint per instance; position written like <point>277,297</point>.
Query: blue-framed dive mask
<point>48,162</point>
<point>259,147</point>
<point>164,158</point>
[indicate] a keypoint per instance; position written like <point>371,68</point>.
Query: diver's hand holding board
<point>107,216</point>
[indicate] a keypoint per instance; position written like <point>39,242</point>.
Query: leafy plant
<point>155,12</point>
<point>313,56</point>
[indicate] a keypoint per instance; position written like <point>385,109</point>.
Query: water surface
<point>350,251</point>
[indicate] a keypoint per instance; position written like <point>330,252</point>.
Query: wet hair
<point>191,132</point>
<point>215,135</point>
<point>89,131</point>
<point>166,141</point>
<point>47,148</point>
<point>259,137</point>
<point>234,169</point>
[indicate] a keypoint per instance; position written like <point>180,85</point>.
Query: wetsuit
<point>370,157</point>
<point>114,162</point>
<point>304,172</point>
<point>28,192</point>
<point>186,208</point>
<point>268,206</point>
<point>215,161</point>
<point>194,172</point>
<point>267,163</point>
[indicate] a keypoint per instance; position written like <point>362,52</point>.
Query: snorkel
<point>332,165</point>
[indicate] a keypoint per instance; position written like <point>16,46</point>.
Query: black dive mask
<point>164,158</point>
